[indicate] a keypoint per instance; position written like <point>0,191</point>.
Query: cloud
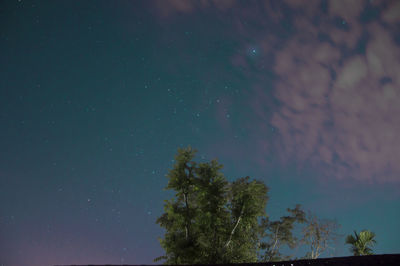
<point>170,7</point>
<point>167,8</point>
<point>392,13</point>
<point>348,10</point>
<point>336,85</point>
<point>340,107</point>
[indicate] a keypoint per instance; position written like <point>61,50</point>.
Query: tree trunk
<point>276,240</point>
<point>187,215</point>
<point>234,228</point>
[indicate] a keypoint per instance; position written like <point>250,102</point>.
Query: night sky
<point>97,96</point>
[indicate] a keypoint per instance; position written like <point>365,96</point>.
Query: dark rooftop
<point>369,260</point>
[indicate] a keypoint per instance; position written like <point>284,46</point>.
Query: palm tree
<point>361,244</point>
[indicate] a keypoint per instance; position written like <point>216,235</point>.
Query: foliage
<point>210,220</point>
<point>213,221</point>
<point>361,243</point>
<point>319,235</point>
<point>279,233</point>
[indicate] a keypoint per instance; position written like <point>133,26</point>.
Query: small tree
<point>319,235</point>
<point>280,233</point>
<point>211,220</point>
<point>177,219</point>
<point>361,244</point>
<point>247,202</point>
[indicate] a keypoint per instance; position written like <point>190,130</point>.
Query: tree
<point>247,202</point>
<point>211,220</point>
<point>177,219</point>
<point>361,244</point>
<point>319,234</point>
<point>280,233</point>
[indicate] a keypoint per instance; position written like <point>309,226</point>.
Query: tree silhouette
<point>319,234</point>
<point>279,233</point>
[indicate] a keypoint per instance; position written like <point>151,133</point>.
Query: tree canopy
<point>211,220</point>
<point>361,243</point>
<point>319,234</point>
<point>279,233</point>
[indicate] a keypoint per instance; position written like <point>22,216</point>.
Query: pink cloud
<point>392,13</point>
<point>168,8</point>
<point>349,125</point>
<point>348,10</point>
<point>334,113</point>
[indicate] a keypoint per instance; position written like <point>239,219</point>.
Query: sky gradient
<point>96,97</point>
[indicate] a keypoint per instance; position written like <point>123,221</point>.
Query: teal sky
<point>97,96</point>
